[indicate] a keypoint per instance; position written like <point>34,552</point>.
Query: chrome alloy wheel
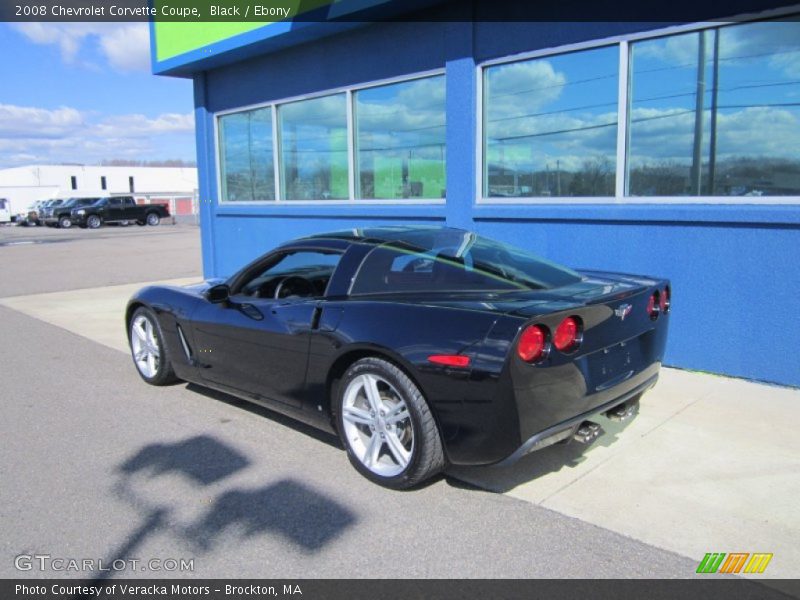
<point>377,425</point>
<point>146,354</point>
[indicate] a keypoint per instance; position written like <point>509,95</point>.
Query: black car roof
<point>380,235</point>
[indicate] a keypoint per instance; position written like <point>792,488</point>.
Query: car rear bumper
<point>565,429</point>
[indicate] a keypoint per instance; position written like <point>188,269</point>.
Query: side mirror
<point>218,293</point>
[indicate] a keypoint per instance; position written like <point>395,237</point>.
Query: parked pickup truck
<point>118,209</point>
<point>61,215</point>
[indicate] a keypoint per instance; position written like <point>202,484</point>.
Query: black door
<point>257,343</point>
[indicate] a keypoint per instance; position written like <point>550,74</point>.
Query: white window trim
<point>352,159</point>
<point>623,130</point>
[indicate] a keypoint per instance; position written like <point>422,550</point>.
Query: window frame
<point>238,281</point>
<point>352,149</point>
<point>623,42</point>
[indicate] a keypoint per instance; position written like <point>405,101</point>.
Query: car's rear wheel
<point>65,222</point>
<point>386,425</point>
<point>93,222</point>
<point>148,350</point>
<point>153,219</point>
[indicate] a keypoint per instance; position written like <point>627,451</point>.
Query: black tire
<point>427,455</point>
<point>65,222</point>
<point>93,222</point>
<point>164,373</point>
<point>153,219</point>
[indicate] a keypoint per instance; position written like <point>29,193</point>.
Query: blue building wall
<point>735,269</point>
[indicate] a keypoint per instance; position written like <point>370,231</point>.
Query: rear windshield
<point>455,261</point>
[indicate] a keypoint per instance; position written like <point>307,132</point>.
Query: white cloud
<point>668,134</point>
<point>31,134</point>
<point>128,48</point>
<point>125,46</point>
<point>29,121</point>
<point>137,125</point>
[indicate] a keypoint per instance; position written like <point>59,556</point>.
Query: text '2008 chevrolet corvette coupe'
<point>419,347</point>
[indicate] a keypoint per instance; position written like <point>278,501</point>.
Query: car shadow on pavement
<point>552,459</point>
<point>330,439</point>
<point>297,513</point>
<point>256,409</point>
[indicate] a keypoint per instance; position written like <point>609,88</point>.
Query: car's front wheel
<point>65,222</point>
<point>148,350</point>
<point>386,425</point>
<point>93,222</point>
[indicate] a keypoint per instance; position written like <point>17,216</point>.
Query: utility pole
<point>712,144</point>
<point>697,154</point>
<point>558,177</point>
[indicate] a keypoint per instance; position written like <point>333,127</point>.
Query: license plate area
<point>611,365</point>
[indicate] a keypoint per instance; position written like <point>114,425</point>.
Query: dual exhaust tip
<point>589,431</point>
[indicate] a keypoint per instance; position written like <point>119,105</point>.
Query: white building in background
<point>23,186</point>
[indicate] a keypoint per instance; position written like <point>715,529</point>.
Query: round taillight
<point>653,305</point>
<point>532,343</point>
<point>663,303</point>
<point>566,337</point>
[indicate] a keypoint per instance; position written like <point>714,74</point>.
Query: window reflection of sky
<point>400,139</point>
<point>246,156</point>
<point>313,136</point>
<point>551,116</point>
<point>550,123</point>
<point>750,121</point>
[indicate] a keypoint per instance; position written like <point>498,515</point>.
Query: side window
<point>292,274</point>
<point>395,269</point>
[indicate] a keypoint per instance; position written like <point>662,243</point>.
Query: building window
<point>73,181</point>
<point>314,149</point>
<point>550,125</point>
<point>400,140</point>
<point>716,113</point>
<point>246,157</point>
<point>130,184</point>
<point>706,112</point>
<point>103,182</point>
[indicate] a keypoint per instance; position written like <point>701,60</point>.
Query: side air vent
<point>184,344</point>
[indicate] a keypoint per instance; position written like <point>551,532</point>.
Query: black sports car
<point>420,347</point>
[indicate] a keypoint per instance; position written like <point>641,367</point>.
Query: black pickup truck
<point>118,209</point>
<point>61,215</point>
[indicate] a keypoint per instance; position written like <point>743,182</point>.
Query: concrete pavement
<point>710,464</point>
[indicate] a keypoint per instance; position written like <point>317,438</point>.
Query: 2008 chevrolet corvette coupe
<point>419,347</point>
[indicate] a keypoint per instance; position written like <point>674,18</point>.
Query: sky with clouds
<point>83,93</point>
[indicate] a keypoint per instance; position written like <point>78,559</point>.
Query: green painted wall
<point>175,38</point>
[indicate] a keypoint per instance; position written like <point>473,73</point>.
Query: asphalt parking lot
<point>97,465</point>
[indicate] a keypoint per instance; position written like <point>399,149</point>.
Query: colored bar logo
<point>716,562</point>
